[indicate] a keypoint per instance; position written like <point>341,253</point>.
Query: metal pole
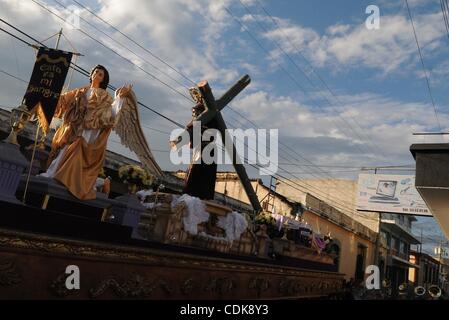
<point>377,251</point>
<point>439,260</point>
<point>31,163</point>
<point>36,138</point>
<point>58,39</point>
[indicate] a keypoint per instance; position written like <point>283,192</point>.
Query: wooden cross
<point>213,108</point>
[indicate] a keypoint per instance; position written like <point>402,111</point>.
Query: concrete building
<point>396,238</point>
<point>443,273</point>
<point>426,274</point>
<point>354,242</point>
<point>338,193</point>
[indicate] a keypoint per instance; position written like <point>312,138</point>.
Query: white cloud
<point>170,28</point>
<point>386,122</point>
<point>176,30</point>
<point>387,49</point>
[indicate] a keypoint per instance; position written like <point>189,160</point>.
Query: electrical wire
<point>142,47</point>
<point>293,62</point>
<point>320,78</point>
<point>423,66</point>
<point>152,54</point>
<point>79,69</point>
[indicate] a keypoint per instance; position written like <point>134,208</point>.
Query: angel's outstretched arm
<point>120,95</point>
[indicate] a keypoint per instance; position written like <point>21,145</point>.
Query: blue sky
<point>378,99</point>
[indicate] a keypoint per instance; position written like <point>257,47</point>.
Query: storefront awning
<point>399,230</point>
<point>403,262</point>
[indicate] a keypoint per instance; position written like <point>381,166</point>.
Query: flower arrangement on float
<point>265,218</point>
<point>135,177</point>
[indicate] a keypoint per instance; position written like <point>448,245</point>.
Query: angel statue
<point>88,115</point>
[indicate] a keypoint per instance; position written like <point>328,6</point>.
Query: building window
<point>402,247</point>
<point>406,248</point>
<point>394,243</point>
<point>360,262</point>
<point>388,240</point>
<point>383,237</point>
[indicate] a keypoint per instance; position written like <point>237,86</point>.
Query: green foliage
<point>133,174</point>
<point>272,229</point>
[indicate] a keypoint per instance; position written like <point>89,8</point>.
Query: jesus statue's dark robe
<point>201,177</point>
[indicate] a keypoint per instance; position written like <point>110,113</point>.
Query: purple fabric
<point>320,243</point>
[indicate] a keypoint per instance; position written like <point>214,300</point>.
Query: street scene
<point>233,150</point>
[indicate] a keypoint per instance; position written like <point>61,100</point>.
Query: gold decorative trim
<point>188,286</point>
<point>9,273</point>
<point>259,284</point>
<point>58,286</point>
<point>53,61</point>
<point>136,287</point>
<point>91,250</point>
<point>220,286</point>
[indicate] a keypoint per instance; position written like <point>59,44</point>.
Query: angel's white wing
<point>131,134</point>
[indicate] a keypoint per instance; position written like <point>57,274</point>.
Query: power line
<point>84,72</point>
<point>279,46</point>
<point>269,54</point>
<point>125,47</point>
<point>301,187</point>
<point>78,68</point>
<point>153,55</point>
<point>320,78</point>
<point>423,66</point>
<point>350,167</point>
<point>281,67</point>
<point>445,11</point>
<point>113,51</point>
<point>321,172</point>
<point>329,172</point>
<point>290,76</point>
<point>12,76</point>
<point>262,48</point>
<point>135,42</point>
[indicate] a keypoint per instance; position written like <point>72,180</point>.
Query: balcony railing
<point>398,254</point>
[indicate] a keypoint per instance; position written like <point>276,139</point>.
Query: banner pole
<point>59,39</point>
<point>36,138</point>
<point>31,163</point>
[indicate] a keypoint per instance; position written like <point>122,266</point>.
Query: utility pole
<point>377,250</point>
<point>420,254</point>
<point>439,260</point>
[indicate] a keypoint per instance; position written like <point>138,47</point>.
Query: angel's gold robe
<point>81,161</point>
